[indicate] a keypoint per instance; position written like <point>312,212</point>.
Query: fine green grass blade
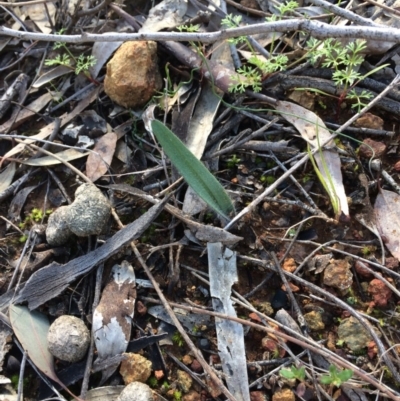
<point>193,170</point>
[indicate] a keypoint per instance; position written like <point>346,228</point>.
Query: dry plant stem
<point>14,186</point>
<point>21,258</point>
<point>12,224</point>
<point>304,343</point>
<point>345,13</point>
<point>387,177</point>
<point>26,3</point>
<point>341,304</point>
<point>175,320</point>
<point>20,396</point>
<point>68,164</point>
<point>89,361</point>
<point>316,29</point>
<point>237,145</point>
<point>295,182</point>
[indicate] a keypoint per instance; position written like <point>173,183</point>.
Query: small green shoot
<point>152,381</point>
<point>233,21</point>
<point>177,395</point>
<point>344,60</point>
<point>188,28</point>
<point>336,377</point>
<point>78,64</point>
<point>293,373</point>
<point>178,339</point>
<point>251,77</point>
<point>35,216</point>
<point>233,161</point>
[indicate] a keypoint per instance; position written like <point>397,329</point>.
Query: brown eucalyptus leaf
<point>99,161</point>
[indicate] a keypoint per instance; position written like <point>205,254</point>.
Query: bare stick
<point>319,30</point>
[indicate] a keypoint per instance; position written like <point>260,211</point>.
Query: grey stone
<point>136,391</point>
<point>57,231</point>
<point>89,212</point>
<point>68,338</point>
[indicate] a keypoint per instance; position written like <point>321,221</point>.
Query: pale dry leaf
<point>6,176</point>
<point>387,212</point>
<point>38,14</point>
<point>314,131</point>
<point>65,155</point>
<point>50,75</point>
<point>27,112</point>
<point>99,161</point>
<point>167,14</point>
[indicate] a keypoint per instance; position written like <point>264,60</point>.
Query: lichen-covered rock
<point>57,231</point>
<point>353,333</point>
<point>68,338</point>
<point>314,320</point>
<point>136,391</point>
<point>133,76</point>
<point>135,368</point>
<point>90,211</point>
<point>184,381</point>
<point>337,274</point>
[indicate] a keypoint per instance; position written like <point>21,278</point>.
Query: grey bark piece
<point>51,280</point>
<point>230,336</point>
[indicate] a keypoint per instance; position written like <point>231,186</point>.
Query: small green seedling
<point>336,377</point>
<point>177,395</point>
<point>178,339</point>
<point>293,373</point>
<point>78,64</point>
<point>152,381</point>
<point>233,161</point>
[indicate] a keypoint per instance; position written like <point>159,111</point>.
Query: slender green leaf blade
<point>193,170</point>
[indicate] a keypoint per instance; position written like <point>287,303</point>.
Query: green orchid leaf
<point>193,170</point>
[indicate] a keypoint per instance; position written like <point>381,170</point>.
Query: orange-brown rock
<point>132,75</point>
<point>283,394</point>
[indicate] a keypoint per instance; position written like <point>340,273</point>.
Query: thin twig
<point>319,30</point>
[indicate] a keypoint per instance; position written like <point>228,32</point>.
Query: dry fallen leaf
<point>387,212</point>
<point>98,164</point>
<point>112,317</point>
<point>314,131</point>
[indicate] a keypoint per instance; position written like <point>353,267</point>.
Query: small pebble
<point>136,391</point>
